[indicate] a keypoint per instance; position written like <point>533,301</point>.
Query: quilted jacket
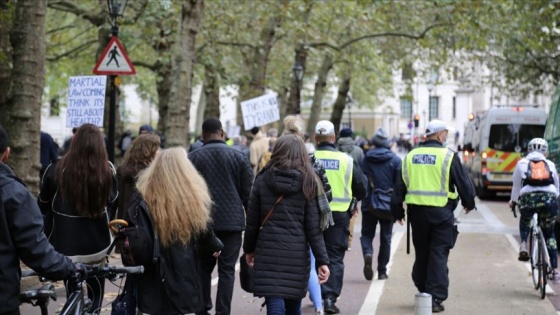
<point>281,247</point>
<point>229,176</point>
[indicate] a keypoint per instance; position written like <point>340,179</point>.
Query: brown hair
<point>83,175</point>
<point>289,152</point>
<point>140,154</point>
<point>176,195</point>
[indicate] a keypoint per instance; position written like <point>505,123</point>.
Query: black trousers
<point>14,312</point>
<point>433,237</point>
<point>226,272</point>
<point>336,243</point>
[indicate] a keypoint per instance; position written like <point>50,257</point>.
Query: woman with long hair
<point>176,199</point>
<point>279,248</point>
<point>75,193</point>
<point>138,156</point>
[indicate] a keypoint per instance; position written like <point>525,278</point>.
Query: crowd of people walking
<point>287,203</point>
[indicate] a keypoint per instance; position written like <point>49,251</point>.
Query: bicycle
<point>77,303</point>
<point>538,255</point>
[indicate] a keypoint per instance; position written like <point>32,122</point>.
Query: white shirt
<point>519,175</point>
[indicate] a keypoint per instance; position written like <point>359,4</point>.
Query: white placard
<point>86,100</point>
<point>260,111</point>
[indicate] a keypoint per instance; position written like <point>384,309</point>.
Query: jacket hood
<point>285,182</point>
<point>345,144</point>
<point>535,156</point>
<point>379,155</point>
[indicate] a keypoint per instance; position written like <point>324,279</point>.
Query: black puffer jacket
<point>22,237</point>
<point>228,174</point>
<point>281,247</point>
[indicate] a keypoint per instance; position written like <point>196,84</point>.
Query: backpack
<point>538,174</point>
<point>138,243</point>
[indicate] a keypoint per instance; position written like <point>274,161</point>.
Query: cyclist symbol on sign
<point>113,56</point>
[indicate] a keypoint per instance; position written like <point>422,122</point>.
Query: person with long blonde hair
<point>75,194</point>
<point>141,153</point>
<point>177,202</point>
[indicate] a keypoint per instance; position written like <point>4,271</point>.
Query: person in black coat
<point>229,176</point>
<point>178,202</point>
<point>22,236</point>
<point>278,249</point>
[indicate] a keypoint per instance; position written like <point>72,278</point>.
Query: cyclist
<point>536,196</point>
<point>22,237</point>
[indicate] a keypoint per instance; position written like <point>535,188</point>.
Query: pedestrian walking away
<point>432,180</point>
<point>174,198</point>
<point>536,192</point>
<point>74,198</point>
<point>229,177</point>
<point>283,221</point>
<point>382,167</point>
<point>347,181</point>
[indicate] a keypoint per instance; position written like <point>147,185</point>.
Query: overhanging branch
<point>72,51</point>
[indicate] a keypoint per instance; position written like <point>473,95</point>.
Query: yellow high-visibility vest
<point>425,173</point>
<point>339,167</point>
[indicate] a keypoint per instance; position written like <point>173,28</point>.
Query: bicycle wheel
<point>533,255</point>
<point>543,265</point>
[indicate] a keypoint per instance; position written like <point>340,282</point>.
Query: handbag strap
<point>269,213</point>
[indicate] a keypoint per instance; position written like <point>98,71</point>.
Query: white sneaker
<point>319,311</point>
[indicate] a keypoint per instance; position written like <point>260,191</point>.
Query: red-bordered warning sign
<point>114,60</point>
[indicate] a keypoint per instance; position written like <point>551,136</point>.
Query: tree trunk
<point>6,20</point>
<point>22,107</point>
<point>295,88</point>
<point>257,66</point>
<point>163,87</point>
<point>177,133</point>
<point>340,103</point>
<point>316,106</point>
<point>211,90</point>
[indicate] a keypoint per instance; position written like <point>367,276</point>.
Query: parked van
<point>497,139</point>
<point>552,131</point>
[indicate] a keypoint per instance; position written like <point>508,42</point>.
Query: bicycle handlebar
<point>96,271</point>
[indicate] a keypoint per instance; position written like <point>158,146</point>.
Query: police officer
<point>432,178</point>
<point>347,180</point>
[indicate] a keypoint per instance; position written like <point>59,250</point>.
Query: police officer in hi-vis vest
<point>347,180</point>
<point>432,178</point>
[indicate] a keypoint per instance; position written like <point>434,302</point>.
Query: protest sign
<point>86,100</point>
<point>260,111</point>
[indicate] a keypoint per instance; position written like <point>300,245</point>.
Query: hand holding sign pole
<point>113,62</point>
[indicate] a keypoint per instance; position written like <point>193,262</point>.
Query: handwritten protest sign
<point>86,100</point>
<point>260,111</point>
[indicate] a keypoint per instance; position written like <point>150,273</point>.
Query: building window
<point>454,107</point>
<point>434,107</point>
<point>406,107</point>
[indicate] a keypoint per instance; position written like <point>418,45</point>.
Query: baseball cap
<point>435,126</point>
<point>324,127</point>
<point>146,128</point>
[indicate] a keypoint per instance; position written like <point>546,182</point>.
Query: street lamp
<point>298,74</point>
<point>430,87</point>
<point>116,9</point>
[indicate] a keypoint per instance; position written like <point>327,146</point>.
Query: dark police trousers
<point>369,226</point>
<point>433,237</point>
<point>336,242</point>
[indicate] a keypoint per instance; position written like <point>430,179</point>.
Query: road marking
<point>376,287</point>
<point>515,245</point>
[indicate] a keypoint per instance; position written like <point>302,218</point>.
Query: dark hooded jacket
<point>381,166</point>
<point>281,247</point>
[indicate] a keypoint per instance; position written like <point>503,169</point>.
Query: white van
<point>497,139</point>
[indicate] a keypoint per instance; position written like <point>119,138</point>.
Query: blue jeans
<point>281,306</point>
<point>313,285</point>
<point>369,226</point>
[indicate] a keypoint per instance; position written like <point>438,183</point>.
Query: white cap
<point>435,126</point>
<point>324,127</point>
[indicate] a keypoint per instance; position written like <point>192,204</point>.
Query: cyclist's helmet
<point>538,144</point>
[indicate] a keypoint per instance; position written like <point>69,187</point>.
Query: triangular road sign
<point>114,60</point>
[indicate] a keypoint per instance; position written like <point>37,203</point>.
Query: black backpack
<point>538,174</point>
